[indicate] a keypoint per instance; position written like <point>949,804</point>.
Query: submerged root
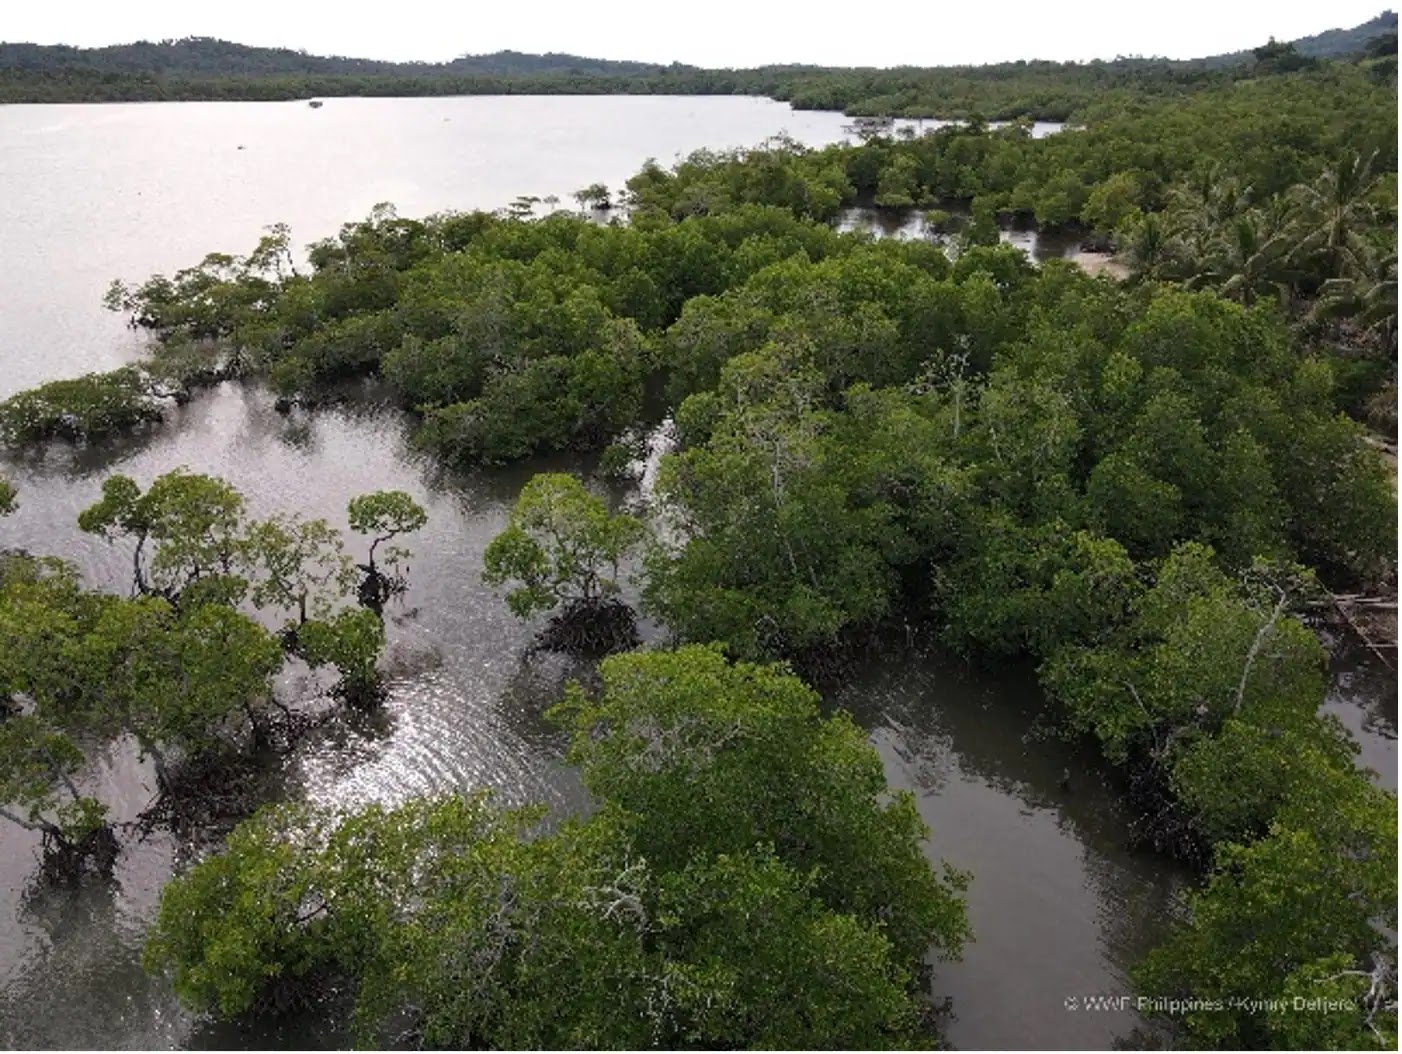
<point>281,733</point>
<point>296,994</point>
<point>377,589</point>
<point>1161,821</point>
<point>361,695</point>
<point>209,794</point>
<point>65,861</point>
<point>590,627</point>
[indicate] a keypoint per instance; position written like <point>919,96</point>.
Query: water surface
<point>93,192</point>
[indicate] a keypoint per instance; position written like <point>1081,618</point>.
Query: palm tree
<point>1201,209</point>
<point>1210,198</point>
<point>1334,208</point>
<point>1248,260</point>
<point>1150,248</point>
<point>1366,293</point>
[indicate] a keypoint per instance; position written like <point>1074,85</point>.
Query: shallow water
<point>1059,904</point>
<point>911,225</point>
<point>1061,907</point>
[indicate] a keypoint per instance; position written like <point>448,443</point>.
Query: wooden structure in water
<point>1373,620</point>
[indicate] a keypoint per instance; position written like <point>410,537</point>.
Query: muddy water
<point>1061,907</point>
<point>462,710</point>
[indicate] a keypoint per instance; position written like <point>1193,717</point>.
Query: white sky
<point>701,32</point>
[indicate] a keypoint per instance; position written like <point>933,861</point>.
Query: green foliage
<point>1212,684</point>
<point>88,407</point>
<point>193,545</point>
<point>982,228</point>
<point>351,641</point>
<point>788,531</point>
<point>177,680</point>
<point>1236,781</point>
<point>1138,418</point>
<point>257,935</point>
<point>210,300</point>
<point>192,524</point>
<point>384,515</point>
<point>205,68</point>
<point>36,763</point>
<point>898,184</point>
<point>1024,590</point>
<point>9,497</point>
<point>562,545</point>
<point>551,403</point>
<point>297,565</point>
<point>713,757</point>
<point>796,919</point>
<point>619,460</point>
<point>1197,650</point>
<point>595,197</point>
<point>1112,201</point>
<point>1296,913</point>
<point>91,668</point>
<point>1277,56</point>
<point>1061,199</point>
<point>512,336</point>
<point>177,667</point>
<point>766,966</point>
<point>1115,481</point>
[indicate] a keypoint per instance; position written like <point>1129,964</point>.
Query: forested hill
<point>512,63</point>
<point>1336,43</point>
<point>204,68</point>
<point>205,56</point>
<point>1331,44</point>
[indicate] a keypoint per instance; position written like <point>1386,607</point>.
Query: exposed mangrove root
<point>64,861</point>
<point>208,794</point>
<point>590,627</point>
<point>1161,821</point>
<point>377,589</point>
<point>361,695</point>
<point>285,404</point>
<point>826,666</point>
<point>934,1013</point>
<point>358,695</point>
<point>294,995</point>
<point>281,734</point>
<point>1373,621</point>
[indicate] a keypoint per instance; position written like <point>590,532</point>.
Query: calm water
<point>910,225</point>
<point>96,192</point>
<point>87,193</point>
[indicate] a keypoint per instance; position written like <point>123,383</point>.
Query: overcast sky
<point>700,32</point>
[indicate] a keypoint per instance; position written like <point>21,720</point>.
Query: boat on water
<point>864,126</point>
<point>315,104</point>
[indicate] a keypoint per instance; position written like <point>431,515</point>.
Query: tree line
<point>200,68</point>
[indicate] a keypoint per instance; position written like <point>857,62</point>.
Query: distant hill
<point>516,63</point>
<point>207,57</point>
<point>1331,44</point>
<point>209,69</point>
<point>1338,43</point>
